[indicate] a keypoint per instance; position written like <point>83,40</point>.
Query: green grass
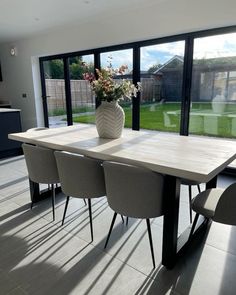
<point>61,112</point>
<point>152,117</point>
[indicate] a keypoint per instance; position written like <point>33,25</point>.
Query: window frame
<point>188,38</point>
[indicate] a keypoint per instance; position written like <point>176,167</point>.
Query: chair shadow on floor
<point>13,252</point>
<point>48,278</point>
<point>182,275</point>
<point>159,281</point>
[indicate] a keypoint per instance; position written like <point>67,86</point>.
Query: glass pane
<point>55,92</point>
<point>213,96</point>
<point>117,59</point>
<point>161,78</point>
<point>82,98</point>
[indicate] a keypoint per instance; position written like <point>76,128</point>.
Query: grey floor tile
<point>6,283</point>
<point>15,186</point>
<point>208,270</point>
<point>38,256</point>
<point>17,291</point>
<point>222,237</point>
<point>9,176</point>
<point>129,243</point>
<point>15,164</point>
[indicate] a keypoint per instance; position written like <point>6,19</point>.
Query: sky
<point>207,47</point>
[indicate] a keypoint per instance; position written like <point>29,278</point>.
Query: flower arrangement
<point>107,88</point>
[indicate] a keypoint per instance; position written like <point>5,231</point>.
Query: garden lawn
<point>152,117</point>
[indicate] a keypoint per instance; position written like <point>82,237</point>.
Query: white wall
<point>154,21</point>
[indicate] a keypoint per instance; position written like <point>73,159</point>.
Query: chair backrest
<point>80,176</point>
<point>41,164</point>
<point>133,191</point>
<point>226,207</point>
<point>37,129</point>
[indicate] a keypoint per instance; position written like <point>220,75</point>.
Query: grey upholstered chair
<point>38,129</point>
<point>216,204</point>
<point>42,168</point>
<point>80,177</point>
<point>134,192</point>
<point>190,183</point>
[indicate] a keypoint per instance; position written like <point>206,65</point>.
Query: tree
<point>153,68</point>
<point>54,69</point>
<point>78,68</point>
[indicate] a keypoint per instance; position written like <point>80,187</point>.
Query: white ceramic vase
<point>110,119</point>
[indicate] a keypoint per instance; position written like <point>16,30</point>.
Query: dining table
<point>196,158</point>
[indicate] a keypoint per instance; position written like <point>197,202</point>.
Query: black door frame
<point>188,38</point>
<point>66,71</point>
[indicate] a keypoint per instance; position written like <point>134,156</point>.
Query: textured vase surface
<point>110,119</point>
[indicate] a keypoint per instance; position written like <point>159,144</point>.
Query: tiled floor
<point>38,256</point>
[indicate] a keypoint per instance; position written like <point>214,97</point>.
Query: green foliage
<point>217,61</point>
<point>76,71</point>
<point>75,60</point>
<point>54,69</point>
<point>77,68</point>
<point>153,68</point>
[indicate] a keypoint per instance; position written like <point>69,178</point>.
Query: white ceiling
<point>22,18</point>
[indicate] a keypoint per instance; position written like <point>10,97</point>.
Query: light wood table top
<point>6,110</point>
<point>195,158</point>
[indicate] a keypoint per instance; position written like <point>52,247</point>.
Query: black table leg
<point>37,195</point>
<point>34,191</point>
<point>173,247</point>
<point>171,218</point>
<point>212,183</point>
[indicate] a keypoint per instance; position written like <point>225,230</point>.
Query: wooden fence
<point>82,95</point>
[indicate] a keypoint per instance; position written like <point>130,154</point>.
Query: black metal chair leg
<point>122,218</point>
<point>90,217</point>
<point>110,230</point>
<point>127,220</point>
<point>190,201</point>
<point>53,202</point>
<point>194,225</point>
<point>85,202</point>
<point>32,194</point>
<point>65,210</point>
<point>199,189</point>
<point>150,241</point>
